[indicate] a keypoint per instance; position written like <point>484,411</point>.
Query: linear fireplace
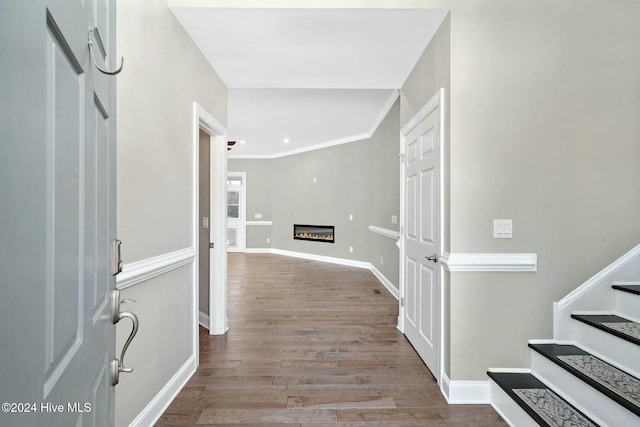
<point>319,233</point>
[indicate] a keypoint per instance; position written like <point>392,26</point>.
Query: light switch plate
<point>503,229</point>
<point>257,216</point>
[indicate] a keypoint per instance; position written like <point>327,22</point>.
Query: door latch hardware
<point>433,258</point>
<point>211,245</point>
<point>116,257</point>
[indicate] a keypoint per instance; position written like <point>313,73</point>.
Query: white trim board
<point>392,234</point>
<point>161,401</point>
<point>323,258</point>
<point>332,260</point>
<point>490,262</point>
<point>258,250</point>
<point>259,222</point>
<point>139,271</point>
<point>465,392</point>
<point>385,282</point>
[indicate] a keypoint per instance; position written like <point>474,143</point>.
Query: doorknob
<point>433,257</point>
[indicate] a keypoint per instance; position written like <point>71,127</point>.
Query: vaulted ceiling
<point>301,78</point>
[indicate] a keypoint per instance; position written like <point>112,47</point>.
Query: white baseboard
<point>154,410</point>
<point>465,392</point>
<point>387,284</point>
<point>258,250</point>
<point>322,258</point>
<point>203,319</point>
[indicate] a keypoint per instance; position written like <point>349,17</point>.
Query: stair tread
<point>615,383</point>
<point>619,326</point>
<point>633,289</point>
<point>541,403</point>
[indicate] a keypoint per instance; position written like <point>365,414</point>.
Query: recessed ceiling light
<point>286,140</point>
<point>242,141</point>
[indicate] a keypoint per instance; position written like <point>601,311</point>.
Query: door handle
<point>433,258</point>
<point>117,364</point>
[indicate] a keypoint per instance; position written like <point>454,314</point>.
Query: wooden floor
<point>312,344</point>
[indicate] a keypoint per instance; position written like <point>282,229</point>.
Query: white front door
<point>58,213</point>
<point>421,234</point>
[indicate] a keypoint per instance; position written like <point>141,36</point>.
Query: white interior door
<point>421,235</point>
<point>63,290</point>
<point>236,212</point>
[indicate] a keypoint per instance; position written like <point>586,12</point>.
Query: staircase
<point>589,374</point>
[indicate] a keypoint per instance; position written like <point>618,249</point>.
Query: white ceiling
<point>314,76</point>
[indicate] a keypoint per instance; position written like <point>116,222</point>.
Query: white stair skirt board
<point>595,405</point>
<point>508,409</point>
<point>465,392</point>
<point>203,319</point>
<point>595,293</point>
<point>607,347</point>
<point>154,410</point>
<point>627,304</point>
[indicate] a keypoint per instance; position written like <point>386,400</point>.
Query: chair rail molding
<point>490,262</point>
<point>139,271</point>
<point>392,234</point>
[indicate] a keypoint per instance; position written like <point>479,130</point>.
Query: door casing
<point>218,323</point>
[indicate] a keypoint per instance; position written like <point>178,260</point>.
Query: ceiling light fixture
<point>286,140</point>
<point>242,141</point>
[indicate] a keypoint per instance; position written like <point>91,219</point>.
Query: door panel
<point>427,218</point>
<point>421,238</point>
<point>62,282</point>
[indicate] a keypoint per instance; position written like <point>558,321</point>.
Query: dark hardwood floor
<point>312,344</point>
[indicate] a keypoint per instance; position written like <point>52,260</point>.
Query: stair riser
<point>508,409</point>
<point>611,349</point>
<point>591,402</point>
<point>627,305</point>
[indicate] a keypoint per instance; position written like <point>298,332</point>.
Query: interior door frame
<point>437,101</point>
<point>218,323</point>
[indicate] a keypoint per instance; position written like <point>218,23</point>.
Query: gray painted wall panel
<point>258,185</point>
<point>544,131</point>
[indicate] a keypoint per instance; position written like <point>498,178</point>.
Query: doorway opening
<point>236,211</point>
<point>209,225</point>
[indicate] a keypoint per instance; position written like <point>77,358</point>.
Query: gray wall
<point>360,178</point>
<point>430,74</point>
<point>164,73</point>
<point>545,100</point>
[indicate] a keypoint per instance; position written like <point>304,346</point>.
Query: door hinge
<point>402,302</point>
<point>211,245</point>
